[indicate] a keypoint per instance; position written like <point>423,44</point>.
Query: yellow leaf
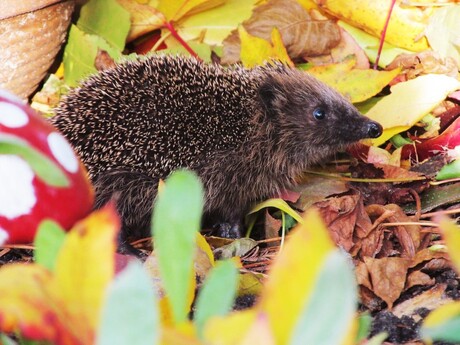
<point>409,102</point>
<point>84,267</point>
<point>442,314</point>
<point>214,25</point>
<point>451,233</point>
<point>204,246</point>
<point>144,18</point>
<point>23,302</point>
<point>230,329</point>
<point>405,28</point>
<point>175,10</point>
<point>356,84</point>
<point>256,51</point>
<point>370,44</point>
<point>62,307</point>
<point>293,274</point>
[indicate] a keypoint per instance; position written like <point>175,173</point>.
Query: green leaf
<point>329,311</point>
<point>5,340</point>
<point>176,219</point>
<point>279,204</point>
<point>130,314</point>
<point>446,331</point>
<point>217,294</point>
<point>79,55</point>
<point>43,167</point>
<point>48,241</point>
<point>448,171</point>
<point>364,327</point>
<point>377,339</point>
<point>107,19</point>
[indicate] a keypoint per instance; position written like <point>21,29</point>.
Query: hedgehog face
<point>317,115</point>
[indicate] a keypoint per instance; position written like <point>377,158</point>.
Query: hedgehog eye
<point>319,113</point>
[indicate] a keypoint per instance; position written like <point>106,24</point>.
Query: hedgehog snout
<point>374,129</point>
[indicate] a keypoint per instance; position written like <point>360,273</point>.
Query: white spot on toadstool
<point>18,194</point>
<point>11,97</point>
<point>12,116</point>
<point>3,236</point>
<point>63,152</point>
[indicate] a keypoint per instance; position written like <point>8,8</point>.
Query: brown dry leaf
<point>388,277</point>
<point>430,299</point>
<point>394,172</point>
<point>315,188</point>
<point>272,226</point>
<point>408,236</point>
<point>301,34</point>
<point>418,278</point>
<point>340,216</point>
<point>425,62</point>
<point>346,47</point>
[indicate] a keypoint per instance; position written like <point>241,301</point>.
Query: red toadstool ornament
<point>40,175</point>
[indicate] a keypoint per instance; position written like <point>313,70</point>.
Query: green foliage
<point>217,294</point>
<point>102,25</point>
<point>48,241</point>
<point>130,314</point>
<point>176,221</point>
<point>107,19</point>
<point>326,317</point>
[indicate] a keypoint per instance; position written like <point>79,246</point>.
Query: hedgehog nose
<point>374,129</point>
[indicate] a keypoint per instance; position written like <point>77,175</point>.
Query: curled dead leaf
<point>302,35</point>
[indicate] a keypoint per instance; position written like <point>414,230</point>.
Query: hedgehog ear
<point>270,94</point>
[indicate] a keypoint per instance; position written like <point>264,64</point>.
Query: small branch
<point>384,32</point>
<point>175,34</point>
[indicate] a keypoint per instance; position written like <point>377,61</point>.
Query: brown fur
<point>247,133</point>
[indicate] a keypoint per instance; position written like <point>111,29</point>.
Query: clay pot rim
<point>12,8</point>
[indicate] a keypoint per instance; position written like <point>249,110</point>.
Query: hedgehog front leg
<point>133,193</point>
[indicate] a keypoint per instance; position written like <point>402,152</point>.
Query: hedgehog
<point>247,133</point>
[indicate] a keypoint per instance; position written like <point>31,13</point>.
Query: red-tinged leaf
<point>447,140</point>
<point>84,268</point>
<point>62,307</point>
<point>26,307</point>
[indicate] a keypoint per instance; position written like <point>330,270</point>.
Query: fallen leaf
<point>144,18</point>
<point>302,35</point>
<point>409,102</point>
<point>388,277</point>
<point>212,26</point>
<point>442,32</point>
<point>256,51</point>
<point>356,84</point>
<point>405,28</point>
<point>430,299</point>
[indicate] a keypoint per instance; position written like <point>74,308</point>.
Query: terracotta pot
<point>31,34</point>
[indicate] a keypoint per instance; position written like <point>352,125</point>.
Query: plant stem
<point>384,31</point>
<point>175,34</point>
